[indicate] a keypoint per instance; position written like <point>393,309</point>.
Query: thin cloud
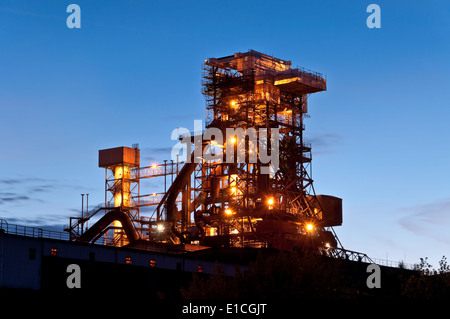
<point>155,154</point>
<point>179,117</point>
<point>14,199</point>
<point>29,13</point>
<point>44,221</point>
<point>325,143</point>
<point>430,219</point>
<point>7,194</point>
<point>42,188</point>
<point>15,181</point>
<point>157,150</point>
<point>10,181</point>
<point>36,184</point>
<point>16,191</point>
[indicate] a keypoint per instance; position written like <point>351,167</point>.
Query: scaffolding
<point>231,198</point>
<point>243,205</point>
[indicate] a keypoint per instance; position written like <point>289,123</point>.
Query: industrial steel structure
<point>227,193</point>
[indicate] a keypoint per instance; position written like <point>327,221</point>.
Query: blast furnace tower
<point>234,197</point>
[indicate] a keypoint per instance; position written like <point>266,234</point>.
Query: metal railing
<point>308,71</point>
<point>392,263</point>
<point>361,257</point>
<point>28,231</point>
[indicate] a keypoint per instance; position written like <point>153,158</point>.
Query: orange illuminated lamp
<point>160,228</point>
<point>309,227</point>
<point>270,202</point>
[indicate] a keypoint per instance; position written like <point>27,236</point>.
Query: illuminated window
<point>128,260</point>
<point>54,251</point>
<point>152,263</point>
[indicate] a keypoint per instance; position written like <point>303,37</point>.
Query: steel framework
<point>252,188</point>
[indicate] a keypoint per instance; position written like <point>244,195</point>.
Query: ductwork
<point>105,221</point>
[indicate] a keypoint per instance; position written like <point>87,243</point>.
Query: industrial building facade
<point>32,259</point>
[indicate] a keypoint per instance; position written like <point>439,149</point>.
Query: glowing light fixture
<point>228,211</point>
<point>309,227</point>
<point>270,203</point>
<point>160,228</point>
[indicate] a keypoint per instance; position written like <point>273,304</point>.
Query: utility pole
<point>165,176</point>
<point>87,209</point>
<point>82,211</point>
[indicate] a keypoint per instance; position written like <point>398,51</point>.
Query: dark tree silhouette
<point>427,283</point>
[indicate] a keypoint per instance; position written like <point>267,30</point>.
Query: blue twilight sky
<point>132,74</point>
